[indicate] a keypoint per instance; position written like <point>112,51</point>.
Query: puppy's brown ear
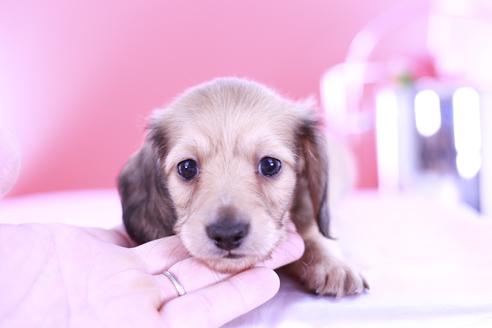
<point>313,155</point>
<point>148,211</point>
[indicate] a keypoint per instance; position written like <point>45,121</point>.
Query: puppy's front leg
<point>322,268</point>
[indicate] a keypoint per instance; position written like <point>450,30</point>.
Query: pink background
<point>78,78</point>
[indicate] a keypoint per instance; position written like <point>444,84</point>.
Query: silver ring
<point>179,287</point>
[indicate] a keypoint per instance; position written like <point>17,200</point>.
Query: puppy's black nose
<point>227,234</point>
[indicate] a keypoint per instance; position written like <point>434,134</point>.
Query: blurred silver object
<point>430,139</point>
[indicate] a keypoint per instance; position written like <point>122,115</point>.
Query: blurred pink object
<point>459,39</point>
<point>9,161</point>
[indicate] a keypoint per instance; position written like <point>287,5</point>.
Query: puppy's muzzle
<point>227,234</point>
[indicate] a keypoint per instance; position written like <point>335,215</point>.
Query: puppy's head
<point>220,168</point>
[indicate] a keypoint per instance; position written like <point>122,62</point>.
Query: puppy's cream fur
<point>226,126</point>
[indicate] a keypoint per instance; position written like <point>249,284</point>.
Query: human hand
<point>56,275</point>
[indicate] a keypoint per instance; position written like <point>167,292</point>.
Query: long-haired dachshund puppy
<point>225,167</point>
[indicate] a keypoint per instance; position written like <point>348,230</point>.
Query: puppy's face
<point>231,173</point>
<point>219,168</point>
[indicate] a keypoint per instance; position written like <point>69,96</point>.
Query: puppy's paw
<point>333,278</point>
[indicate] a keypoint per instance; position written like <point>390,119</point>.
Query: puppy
<point>225,167</point>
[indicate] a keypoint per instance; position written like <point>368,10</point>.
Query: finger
<point>160,254</point>
<point>113,236</point>
<point>291,226</point>
<point>120,229</point>
<point>192,274</point>
<point>290,250</point>
<point>222,302</point>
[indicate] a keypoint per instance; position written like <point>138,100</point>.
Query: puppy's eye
<point>188,169</point>
<point>269,166</point>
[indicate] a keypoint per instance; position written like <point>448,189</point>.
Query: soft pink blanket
<point>429,264</point>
